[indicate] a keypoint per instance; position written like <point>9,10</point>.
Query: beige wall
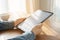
<point>36,4</point>
<point>42,4</point>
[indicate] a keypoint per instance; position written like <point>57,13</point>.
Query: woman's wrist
<point>37,30</point>
<point>18,21</point>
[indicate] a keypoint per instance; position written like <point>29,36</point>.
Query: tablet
<point>34,19</point>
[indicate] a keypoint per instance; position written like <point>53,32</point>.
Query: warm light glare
<point>15,7</point>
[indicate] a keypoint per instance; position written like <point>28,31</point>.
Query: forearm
<point>10,24</point>
<point>6,25</point>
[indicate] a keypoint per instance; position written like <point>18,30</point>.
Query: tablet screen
<point>34,19</point>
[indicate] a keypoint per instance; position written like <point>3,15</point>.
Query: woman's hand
<point>37,30</point>
<point>18,21</point>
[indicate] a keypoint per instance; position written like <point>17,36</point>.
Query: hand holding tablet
<point>34,19</point>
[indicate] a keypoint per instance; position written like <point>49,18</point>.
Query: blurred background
<point>23,8</point>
